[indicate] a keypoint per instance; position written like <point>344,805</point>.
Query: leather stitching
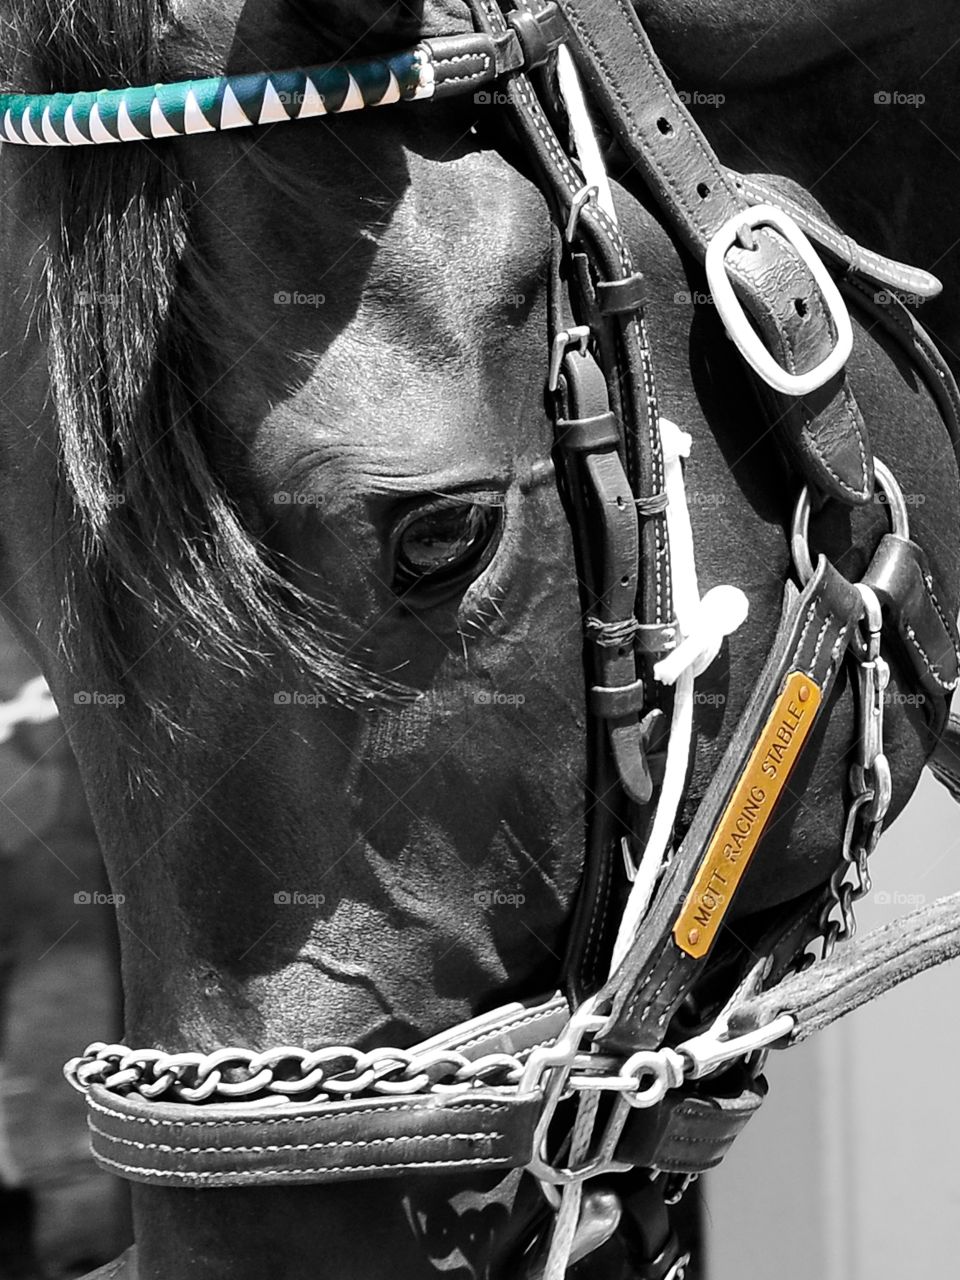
<point>631,1006</point>
<point>854,411</point>
<point>919,344</point>
<point>691,134</point>
<point>259,1149</point>
<point>816,649</point>
<point>947,625</point>
<point>287,1175</point>
<point>318,1118</point>
<point>479,74</point>
<point>657,75</point>
<point>599,909</point>
<point>504,1029</point>
<point>856,255</point>
<point>912,636</point>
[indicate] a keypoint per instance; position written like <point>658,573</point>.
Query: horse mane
<point>158,554</point>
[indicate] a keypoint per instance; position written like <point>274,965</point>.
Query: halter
<point>603,1064</point>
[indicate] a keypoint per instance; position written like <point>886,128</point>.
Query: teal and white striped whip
<point>140,114</point>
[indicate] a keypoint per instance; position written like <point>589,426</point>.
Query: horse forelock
<point>160,546</point>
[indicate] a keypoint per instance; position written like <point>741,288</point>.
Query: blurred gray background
<point>850,1169</point>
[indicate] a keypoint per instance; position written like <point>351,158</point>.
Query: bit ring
<point>800,531</point>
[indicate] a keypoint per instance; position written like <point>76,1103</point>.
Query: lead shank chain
<point>286,1073</point>
<point>869,780</point>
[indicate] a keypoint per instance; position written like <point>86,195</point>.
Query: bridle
<point>605,1065</point>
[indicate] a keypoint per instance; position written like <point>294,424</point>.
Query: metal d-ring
<point>800,531</point>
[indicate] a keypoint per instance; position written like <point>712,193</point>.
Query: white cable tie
<point>722,610</point>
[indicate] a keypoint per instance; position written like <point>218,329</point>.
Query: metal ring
<point>646,1063</point>
<point>800,530</point>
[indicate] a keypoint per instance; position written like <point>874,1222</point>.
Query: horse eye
<point>439,550</point>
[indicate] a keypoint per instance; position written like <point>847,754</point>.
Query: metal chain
<point>869,783</point>
<point>286,1073</point>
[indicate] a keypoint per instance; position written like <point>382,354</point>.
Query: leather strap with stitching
<point>860,971</point>
<point>646,989</point>
<point>179,1145</point>
<point>599,255</point>
<point>824,433</point>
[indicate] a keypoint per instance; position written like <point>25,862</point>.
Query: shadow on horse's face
<point>366,872</point>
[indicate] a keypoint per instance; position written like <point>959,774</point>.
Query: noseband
<point>600,1081</point>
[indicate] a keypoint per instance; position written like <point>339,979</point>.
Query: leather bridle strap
<point>178,1145</point>
<point>677,935</point>
<point>824,433</point>
<point>269,1142</point>
<point>864,969</point>
<point>607,433</point>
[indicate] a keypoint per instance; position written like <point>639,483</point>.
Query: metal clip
<point>709,1052</point>
<point>871,772</point>
<point>642,1081</point>
<point>556,1062</point>
<point>577,336</point>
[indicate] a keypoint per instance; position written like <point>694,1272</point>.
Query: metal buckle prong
<point>577,336</point>
<point>583,197</point>
<point>709,1052</point>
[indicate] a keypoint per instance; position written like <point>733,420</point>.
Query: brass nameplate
<point>747,813</point>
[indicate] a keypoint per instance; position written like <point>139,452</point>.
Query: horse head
<point>283,529</point>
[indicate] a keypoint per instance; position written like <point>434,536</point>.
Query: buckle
<point>577,336</point>
<point>736,321</point>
